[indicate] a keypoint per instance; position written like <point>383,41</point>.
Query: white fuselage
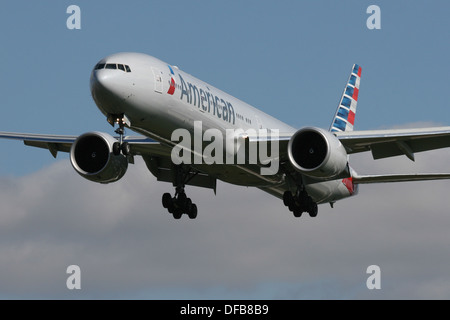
<point>158,98</point>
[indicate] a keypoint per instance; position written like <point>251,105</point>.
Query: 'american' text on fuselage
<point>204,99</point>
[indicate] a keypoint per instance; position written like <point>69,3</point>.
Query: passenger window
<point>111,66</point>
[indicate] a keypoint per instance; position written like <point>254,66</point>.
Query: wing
<point>53,143</point>
<point>382,143</point>
<point>63,143</point>
<point>390,143</point>
<point>155,154</point>
<point>139,145</point>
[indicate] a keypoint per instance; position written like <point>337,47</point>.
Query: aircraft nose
<point>109,87</point>
<point>104,81</point>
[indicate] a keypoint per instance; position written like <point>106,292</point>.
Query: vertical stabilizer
<point>344,118</point>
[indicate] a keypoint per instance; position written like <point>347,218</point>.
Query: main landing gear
<point>180,204</point>
<point>300,203</point>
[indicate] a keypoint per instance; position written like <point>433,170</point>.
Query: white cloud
<point>244,243</point>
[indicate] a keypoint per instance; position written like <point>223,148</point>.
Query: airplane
<point>153,98</point>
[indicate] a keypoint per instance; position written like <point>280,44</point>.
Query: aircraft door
<point>158,80</point>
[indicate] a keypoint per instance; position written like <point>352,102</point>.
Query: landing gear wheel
<point>125,148</point>
<point>313,210</point>
<point>192,214</point>
<point>287,198</point>
<point>297,213</point>
<point>177,214</point>
<point>188,205</point>
<point>181,199</point>
<point>180,204</point>
<point>120,146</point>
<point>116,148</point>
<point>167,200</point>
<point>299,203</point>
<point>292,207</point>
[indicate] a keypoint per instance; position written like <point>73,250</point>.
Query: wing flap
<point>51,146</point>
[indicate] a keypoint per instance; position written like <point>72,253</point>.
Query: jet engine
<point>317,153</point>
<point>92,157</point>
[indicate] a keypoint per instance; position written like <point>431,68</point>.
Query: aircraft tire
<point>192,214</point>
<point>287,198</point>
<point>293,205</point>
<point>116,148</point>
<point>313,210</point>
<point>177,214</point>
<point>166,200</point>
<point>181,200</point>
<point>125,148</point>
<point>188,205</point>
<point>297,213</point>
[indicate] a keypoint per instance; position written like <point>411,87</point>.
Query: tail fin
<point>344,117</point>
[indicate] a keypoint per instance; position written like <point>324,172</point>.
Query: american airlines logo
<point>203,98</point>
<point>172,86</point>
<point>208,147</point>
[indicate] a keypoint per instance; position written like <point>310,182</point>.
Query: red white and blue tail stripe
<point>344,119</point>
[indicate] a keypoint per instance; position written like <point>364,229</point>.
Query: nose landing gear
<point>120,146</point>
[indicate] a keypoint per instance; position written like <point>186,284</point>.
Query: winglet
<point>344,118</point>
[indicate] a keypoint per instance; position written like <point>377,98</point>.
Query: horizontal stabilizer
<point>364,179</point>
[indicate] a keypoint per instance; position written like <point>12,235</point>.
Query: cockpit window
<point>112,66</point>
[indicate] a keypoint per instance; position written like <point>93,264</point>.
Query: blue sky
<point>289,58</point>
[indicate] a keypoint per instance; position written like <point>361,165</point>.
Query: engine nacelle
<point>92,157</point>
<point>317,153</point>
